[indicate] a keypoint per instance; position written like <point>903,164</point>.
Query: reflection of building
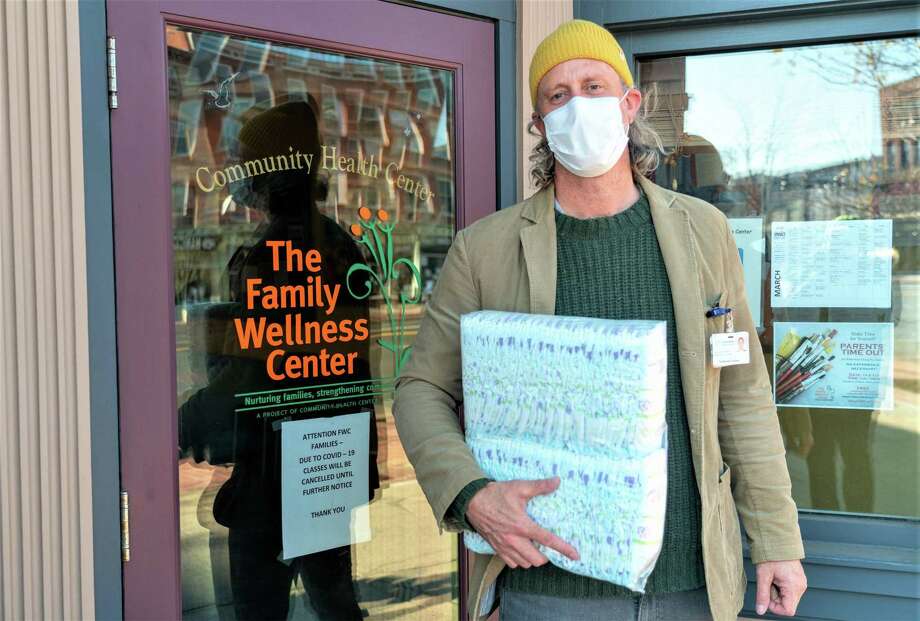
<point>693,165</point>
<point>694,162</point>
<point>842,189</point>
<point>899,105</point>
<point>395,115</point>
<point>884,186</point>
<point>881,186</point>
<point>669,79</point>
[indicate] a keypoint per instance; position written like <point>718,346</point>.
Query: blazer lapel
<point>538,240</point>
<point>675,238</point>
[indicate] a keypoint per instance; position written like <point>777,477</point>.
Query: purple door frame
<point>143,227</point>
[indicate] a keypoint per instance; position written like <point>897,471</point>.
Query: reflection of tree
<point>880,186</point>
<point>867,63</point>
<point>752,180</point>
<point>849,189</point>
<point>860,187</point>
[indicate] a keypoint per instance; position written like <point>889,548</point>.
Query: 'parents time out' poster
<point>833,365</point>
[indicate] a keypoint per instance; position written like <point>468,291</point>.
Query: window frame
<point>859,566</point>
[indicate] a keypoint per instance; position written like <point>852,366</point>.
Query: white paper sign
<point>324,483</point>
<point>748,233</point>
<point>836,263</point>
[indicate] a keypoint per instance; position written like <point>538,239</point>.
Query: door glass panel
<point>313,204</point>
<point>816,162</point>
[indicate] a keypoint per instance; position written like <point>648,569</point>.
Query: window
<point>805,150</point>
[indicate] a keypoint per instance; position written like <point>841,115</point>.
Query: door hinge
<point>112,73</point>
<point>125,529</point>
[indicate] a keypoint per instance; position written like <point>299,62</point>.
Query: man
<point>593,243</point>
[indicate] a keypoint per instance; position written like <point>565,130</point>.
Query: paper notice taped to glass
<point>832,264</point>
<point>324,482</point>
<point>834,365</point>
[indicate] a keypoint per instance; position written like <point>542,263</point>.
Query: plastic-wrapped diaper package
<point>582,399</point>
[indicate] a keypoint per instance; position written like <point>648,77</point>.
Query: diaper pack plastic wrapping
<point>582,399</point>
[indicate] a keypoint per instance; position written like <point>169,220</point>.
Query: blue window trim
<point>100,262</point>
<point>859,567</point>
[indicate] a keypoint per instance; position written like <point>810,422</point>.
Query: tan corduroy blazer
<point>507,261</point>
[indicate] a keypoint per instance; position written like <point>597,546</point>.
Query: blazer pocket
<point>724,472</point>
<point>721,297</point>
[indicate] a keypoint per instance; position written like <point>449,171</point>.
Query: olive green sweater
<point>611,267</point>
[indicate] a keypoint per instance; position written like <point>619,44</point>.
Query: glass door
<point>311,191</point>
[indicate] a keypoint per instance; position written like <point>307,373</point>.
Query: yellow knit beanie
<point>577,38</point>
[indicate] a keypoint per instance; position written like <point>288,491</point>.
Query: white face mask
<point>587,135</point>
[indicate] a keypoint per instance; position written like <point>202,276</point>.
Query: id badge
<point>728,348</point>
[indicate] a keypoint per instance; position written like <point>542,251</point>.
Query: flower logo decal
<point>375,231</point>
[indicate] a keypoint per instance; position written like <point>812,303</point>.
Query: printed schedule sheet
<point>836,263</point>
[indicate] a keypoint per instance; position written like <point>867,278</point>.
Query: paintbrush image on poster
<point>833,365</point>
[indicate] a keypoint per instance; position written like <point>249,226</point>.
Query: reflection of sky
<point>769,111</point>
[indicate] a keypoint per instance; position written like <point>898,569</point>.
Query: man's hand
<point>789,578</point>
<point>498,513</point>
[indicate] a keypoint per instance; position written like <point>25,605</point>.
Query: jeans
<point>679,606</point>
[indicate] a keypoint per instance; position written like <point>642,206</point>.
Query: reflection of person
<point>696,169</point>
<point>842,439</point>
<point>848,433</point>
<point>249,503</point>
<point>838,442</point>
<point>617,250</point>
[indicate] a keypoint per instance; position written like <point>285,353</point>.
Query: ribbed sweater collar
<point>634,217</point>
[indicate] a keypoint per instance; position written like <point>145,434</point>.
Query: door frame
<point>100,295</point>
<point>143,236</point>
